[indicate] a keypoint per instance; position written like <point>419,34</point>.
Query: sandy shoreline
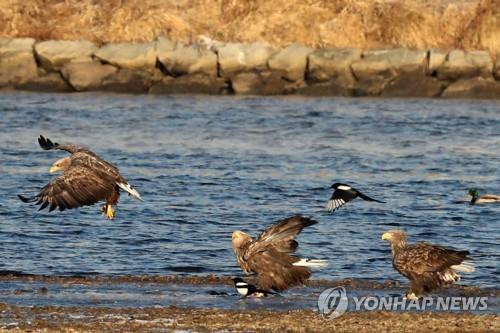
<point>96,319</point>
<point>60,311</point>
<point>212,279</point>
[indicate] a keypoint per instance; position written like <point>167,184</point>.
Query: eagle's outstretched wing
<point>276,271</point>
<point>269,255</point>
<point>281,235</point>
<point>86,158</point>
<point>76,187</point>
<point>47,144</point>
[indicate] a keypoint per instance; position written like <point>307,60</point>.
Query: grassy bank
<point>465,24</point>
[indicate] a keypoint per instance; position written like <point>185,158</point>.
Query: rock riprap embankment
<point>167,67</point>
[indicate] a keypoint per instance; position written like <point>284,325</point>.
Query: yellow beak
<point>54,169</point>
<point>386,236</point>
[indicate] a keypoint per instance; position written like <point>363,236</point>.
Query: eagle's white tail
<point>130,190</point>
<point>466,267</point>
<point>311,263</point>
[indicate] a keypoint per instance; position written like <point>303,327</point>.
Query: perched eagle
<point>427,266</point>
<point>85,180</point>
<point>344,193</point>
<point>270,255</point>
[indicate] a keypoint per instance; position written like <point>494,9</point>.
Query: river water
<point>206,166</point>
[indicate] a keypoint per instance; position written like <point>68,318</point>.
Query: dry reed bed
<point>463,24</point>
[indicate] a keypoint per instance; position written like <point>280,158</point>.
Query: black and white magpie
<point>246,289</point>
<point>344,193</point>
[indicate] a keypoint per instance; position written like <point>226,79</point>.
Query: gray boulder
<point>259,83</point>
<point>178,59</point>
<point>436,58</point>
<point>86,75</point>
<point>459,64</point>
<point>17,63</point>
<point>333,65</point>
<point>399,60</point>
<point>477,87</point>
<point>238,57</point>
<point>290,62</point>
<point>49,82</point>
<point>496,69</point>
<point>190,84</point>
<point>140,56</point>
<point>414,85</point>
<point>127,81</point>
<point>52,55</point>
<point>379,67</point>
<point>331,88</point>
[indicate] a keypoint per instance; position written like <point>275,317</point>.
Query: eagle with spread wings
<point>85,180</point>
<point>270,255</point>
<point>427,266</point>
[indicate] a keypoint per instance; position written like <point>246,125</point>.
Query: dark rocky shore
<point>82,304</point>
<point>211,67</point>
<point>99,319</point>
<point>212,279</point>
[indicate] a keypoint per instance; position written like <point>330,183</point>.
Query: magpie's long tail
<point>265,291</point>
<point>367,198</point>
<point>24,199</point>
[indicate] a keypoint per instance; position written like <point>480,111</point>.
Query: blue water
<point>209,165</point>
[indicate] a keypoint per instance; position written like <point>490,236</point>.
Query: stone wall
<point>167,67</point>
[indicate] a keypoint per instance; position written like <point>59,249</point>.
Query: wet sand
<point>17,313</point>
<point>212,279</point>
<point>85,319</point>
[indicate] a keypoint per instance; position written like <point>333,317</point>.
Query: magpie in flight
<point>344,193</point>
<point>246,289</point>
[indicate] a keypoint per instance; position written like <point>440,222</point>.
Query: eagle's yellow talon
<point>110,213</point>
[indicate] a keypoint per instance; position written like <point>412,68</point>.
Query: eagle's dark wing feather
<point>276,271</point>
<point>422,257</point>
<point>428,266</point>
<point>76,187</point>
<point>103,168</point>
<point>84,157</point>
<point>47,144</point>
<point>281,235</point>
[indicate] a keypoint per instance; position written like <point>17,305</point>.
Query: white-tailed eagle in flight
<point>85,180</point>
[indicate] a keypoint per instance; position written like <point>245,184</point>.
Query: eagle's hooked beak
<point>54,168</point>
<point>386,236</point>
<point>60,165</point>
<point>236,235</point>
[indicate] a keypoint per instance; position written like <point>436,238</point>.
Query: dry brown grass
<point>468,24</point>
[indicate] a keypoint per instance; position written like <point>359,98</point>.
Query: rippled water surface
<point>207,166</point>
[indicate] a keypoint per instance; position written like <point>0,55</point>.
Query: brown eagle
<point>427,266</point>
<point>85,180</point>
<point>269,256</point>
